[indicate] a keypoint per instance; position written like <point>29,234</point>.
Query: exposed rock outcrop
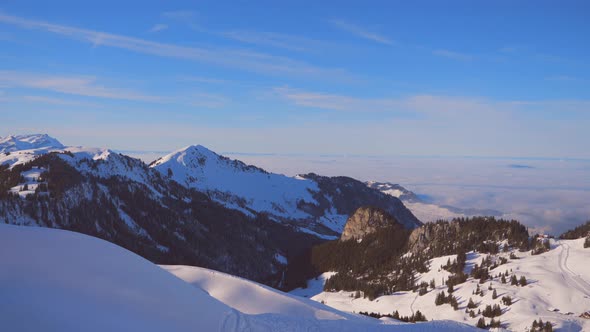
<point>366,220</point>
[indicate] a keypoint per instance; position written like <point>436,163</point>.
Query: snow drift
<point>55,280</point>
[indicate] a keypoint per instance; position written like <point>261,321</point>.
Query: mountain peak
<point>12,143</point>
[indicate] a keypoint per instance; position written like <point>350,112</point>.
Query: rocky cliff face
<point>366,220</point>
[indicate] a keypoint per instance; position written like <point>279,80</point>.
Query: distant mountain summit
<point>313,204</point>
<point>27,142</point>
<point>232,182</point>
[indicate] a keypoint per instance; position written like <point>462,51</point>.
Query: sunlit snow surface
<point>55,280</point>
<point>558,291</point>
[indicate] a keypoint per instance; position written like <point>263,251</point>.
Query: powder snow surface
<point>558,291</point>
<point>56,280</point>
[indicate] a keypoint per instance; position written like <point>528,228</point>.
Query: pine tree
<point>522,281</point>
<point>454,303</point>
<point>548,327</point>
<point>494,323</point>
<point>471,304</point>
<point>481,323</point>
<point>503,280</point>
<point>440,298</point>
<point>513,280</point>
<point>494,295</point>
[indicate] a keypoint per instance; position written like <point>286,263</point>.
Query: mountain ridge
<point>209,221</point>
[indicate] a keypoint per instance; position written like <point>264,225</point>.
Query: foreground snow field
<point>55,280</point>
<point>558,291</point>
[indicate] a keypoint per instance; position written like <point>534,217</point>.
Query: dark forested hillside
<point>378,264</point>
<point>158,219</point>
<point>578,232</point>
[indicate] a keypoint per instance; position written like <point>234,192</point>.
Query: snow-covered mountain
<point>253,188</point>
<point>19,149</point>
<point>314,204</point>
<point>427,211</point>
<point>54,280</point>
<point>28,142</point>
<point>558,290</point>
<point>207,210</point>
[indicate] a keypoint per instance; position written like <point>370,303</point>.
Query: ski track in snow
<point>569,276</point>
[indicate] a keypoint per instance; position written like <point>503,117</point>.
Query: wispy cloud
<point>453,55</point>
<point>416,103</point>
<point>202,79</point>
<point>361,32</point>
<point>272,39</point>
<point>333,101</point>
<point>235,58</point>
<point>75,85</point>
<point>426,104</point>
<point>158,27</point>
<point>55,101</point>
<point>209,100</point>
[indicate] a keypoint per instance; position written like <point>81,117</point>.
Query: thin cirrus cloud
<point>86,86</point>
<point>424,104</point>
<point>272,39</point>
<point>361,32</point>
<point>159,27</point>
<point>431,105</point>
<point>234,58</point>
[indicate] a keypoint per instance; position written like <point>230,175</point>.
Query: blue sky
<point>471,78</point>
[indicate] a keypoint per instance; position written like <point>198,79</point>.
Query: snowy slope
<point>200,168</point>
<point>28,142</point>
<point>558,291</point>
<point>19,149</point>
<point>254,299</point>
<point>53,280</point>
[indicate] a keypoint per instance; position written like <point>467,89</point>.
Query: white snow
<point>55,280</point>
<point>27,142</point>
<point>559,282</point>
<point>197,167</point>
<point>31,182</point>
<point>20,149</point>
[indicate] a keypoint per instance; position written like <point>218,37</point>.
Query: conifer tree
<point>481,323</point>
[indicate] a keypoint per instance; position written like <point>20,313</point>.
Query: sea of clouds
<point>547,195</point>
